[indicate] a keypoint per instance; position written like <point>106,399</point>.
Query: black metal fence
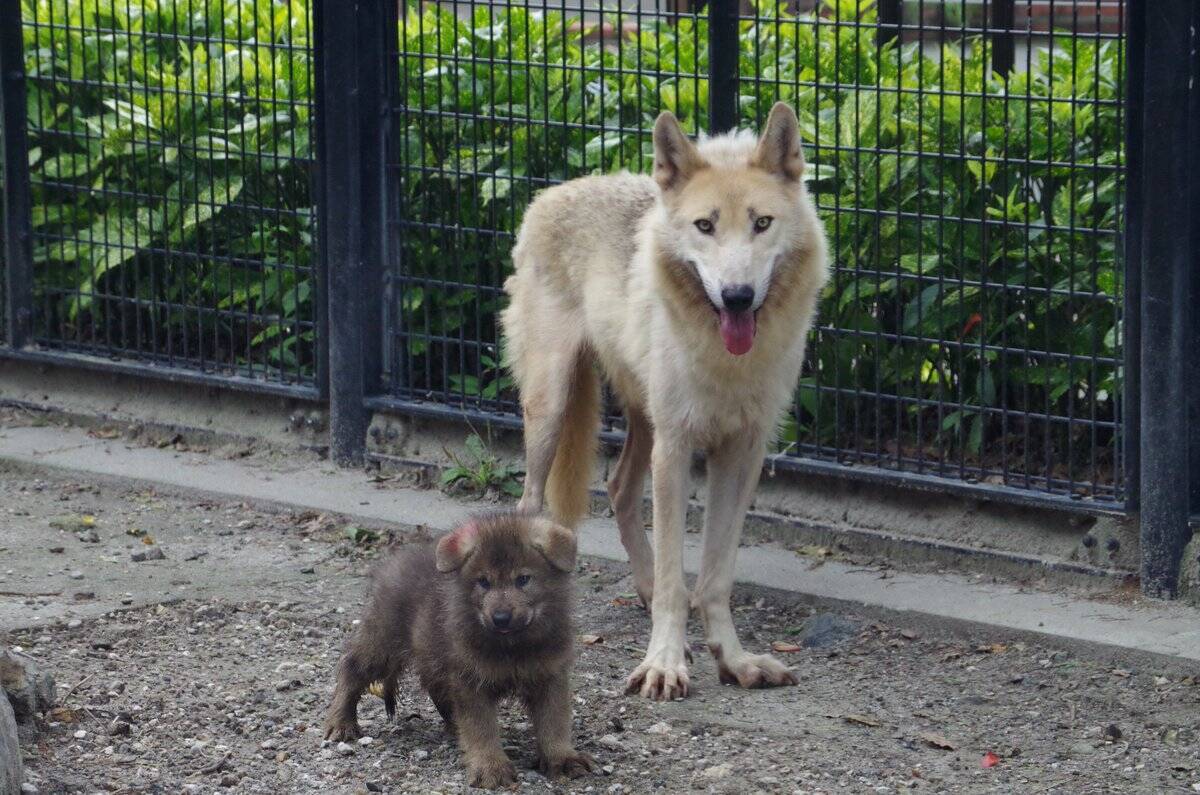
<point>320,201</point>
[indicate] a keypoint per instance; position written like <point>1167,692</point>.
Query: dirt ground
<point>212,673</point>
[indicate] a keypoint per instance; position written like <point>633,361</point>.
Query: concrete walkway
<point>1159,628</point>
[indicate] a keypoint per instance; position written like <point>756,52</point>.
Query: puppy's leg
<point>733,471</point>
<point>625,489</point>
<point>550,709</point>
<point>353,678</point>
<point>663,675</point>
<point>479,740</point>
<point>545,387</point>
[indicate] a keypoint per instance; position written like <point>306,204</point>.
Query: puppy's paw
<point>662,676</point>
<point>754,671</point>
<point>492,774</point>
<point>339,730</point>
<point>572,764</point>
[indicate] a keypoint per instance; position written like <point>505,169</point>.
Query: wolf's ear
<point>675,156</point>
<point>454,548</point>
<point>554,541</point>
<point>778,149</point>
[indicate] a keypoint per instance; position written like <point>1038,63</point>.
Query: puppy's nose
<point>502,618</point>
<point>737,297</point>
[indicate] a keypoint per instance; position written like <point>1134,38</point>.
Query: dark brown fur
<point>430,613</point>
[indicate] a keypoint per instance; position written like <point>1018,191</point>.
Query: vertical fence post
<point>1003,48</point>
<point>18,257</point>
<point>889,21</point>
<point>351,101</point>
<point>722,65</point>
<point>1166,224</point>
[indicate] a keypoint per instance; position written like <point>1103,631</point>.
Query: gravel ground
<point>214,676</point>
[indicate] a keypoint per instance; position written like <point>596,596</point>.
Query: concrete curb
<point>1170,629</point>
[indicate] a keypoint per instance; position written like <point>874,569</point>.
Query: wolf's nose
<point>737,297</point>
<point>502,618</point>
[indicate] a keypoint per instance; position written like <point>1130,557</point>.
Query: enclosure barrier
<point>319,201</point>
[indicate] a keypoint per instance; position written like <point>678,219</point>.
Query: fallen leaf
<point>1121,672</point>
<point>785,647</point>
<point>104,433</point>
<point>590,640</point>
<point>621,601</point>
<point>936,740</point>
<point>862,720</point>
<point>148,540</point>
<point>72,523</point>
<point>989,760</point>
<point>992,648</point>
<point>64,715</point>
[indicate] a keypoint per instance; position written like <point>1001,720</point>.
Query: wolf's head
<point>735,208</point>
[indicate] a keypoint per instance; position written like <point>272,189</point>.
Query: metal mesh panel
<point>172,170</point>
<point>966,159</point>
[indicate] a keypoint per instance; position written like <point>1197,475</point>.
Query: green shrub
<point>170,154</point>
<point>968,214</point>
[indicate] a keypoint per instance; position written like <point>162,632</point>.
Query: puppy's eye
<point>762,223</point>
<point>484,583</point>
<point>522,580</point>
<point>704,225</point>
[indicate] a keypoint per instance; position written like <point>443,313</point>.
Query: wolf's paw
<point>338,730</point>
<point>492,774</point>
<point>662,676</point>
<point>754,671</point>
<point>572,764</point>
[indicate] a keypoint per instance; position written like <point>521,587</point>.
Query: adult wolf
<point>693,292</point>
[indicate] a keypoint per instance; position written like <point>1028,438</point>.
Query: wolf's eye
<point>762,223</point>
<point>484,583</point>
<point>522,580</point>
<point>704,225</point>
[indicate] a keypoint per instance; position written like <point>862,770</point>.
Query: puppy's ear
<point>778,149</point>
<point>555,542</point>
<point>454,548</point>
<point>675,156</point>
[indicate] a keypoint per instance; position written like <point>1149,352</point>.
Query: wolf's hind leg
<point>626,491</point>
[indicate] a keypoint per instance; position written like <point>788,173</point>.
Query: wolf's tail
<point>567,486</point>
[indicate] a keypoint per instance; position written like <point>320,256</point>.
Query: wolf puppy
<point>693,292</point>
<point>482,616</point>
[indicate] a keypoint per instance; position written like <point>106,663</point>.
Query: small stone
<point>608,770</point>
<point>282,756</point>
<point>80,734</point>
<point>287,684</point>
<point>1082,748</point>
<point>56,551</point>
<point>76,575</point>
<point>659,728</point>
<point>267,745</point>
<point>119,728</point>
<point>308,570</point>
<point>155,553</point>
<point>28,789</point>
<point>345,749</point>
<point>825,630</point>
<point>229,780</point>
<point>617,724</point>
<point>1113,732</point>
<point>365,741</point>
<point>74,623</point>
<point>716,772</point>
<point>373,786</point>
<point>612,742</point>
<point>89,537</point>
<point>138,556</point>
<point>420,754</point>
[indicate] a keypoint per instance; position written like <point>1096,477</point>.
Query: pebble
<point>119,728</point>
<point>365,741</point>
<point>611,741</point>
<point>79,735</point>
<point>28,789</point>
<point>723,770</point>
<point>659,728</point>
<point>74,623</point>
<point>282,756</point>
<point>345,749</point>
<point>420,754</point>
<point>1082,748</point>
<point>76,575</point>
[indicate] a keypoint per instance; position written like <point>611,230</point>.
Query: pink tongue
<point>737,330</point>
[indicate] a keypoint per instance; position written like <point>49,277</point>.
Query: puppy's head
<point>513,573</point>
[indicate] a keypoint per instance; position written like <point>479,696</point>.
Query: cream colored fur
<point>615,272</point>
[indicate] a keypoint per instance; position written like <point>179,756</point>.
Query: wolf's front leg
<point>663,674</point>
<point>733,471</point>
